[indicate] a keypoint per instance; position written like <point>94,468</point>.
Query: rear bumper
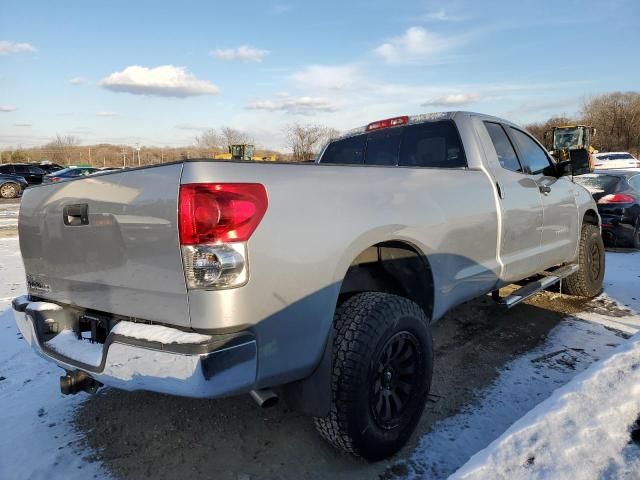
<point>212,366</point>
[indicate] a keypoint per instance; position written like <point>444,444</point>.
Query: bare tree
<point>305,141</point>
<point>61,147</point>
<point>210,139</point>
<point>231,136</point>
<point>616,117</point>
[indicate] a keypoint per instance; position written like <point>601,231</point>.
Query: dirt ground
<point>147,435</point>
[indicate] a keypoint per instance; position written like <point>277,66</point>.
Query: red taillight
<point>617,198</point>
<point>220,212</point>
<point>389,122</point>
<point>55,179</point>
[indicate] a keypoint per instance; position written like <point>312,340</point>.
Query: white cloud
<point>78,81</point>
<point>7,47</point>
<point>107,114</point>
<point>442,16</point>
<point>8,108</point>
<point>22,124</point>
<point>415,46</point>
<point>163,81</point>
<point>190,126</point>
<point>452,100</point>
<point>243,53</point>
<point>327,77</point>
<point>303,105</point>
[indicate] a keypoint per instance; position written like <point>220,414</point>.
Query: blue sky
<point>158,73</point>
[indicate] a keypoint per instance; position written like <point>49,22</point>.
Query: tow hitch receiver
<point>78,381</point>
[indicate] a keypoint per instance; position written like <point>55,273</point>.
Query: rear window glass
<point>348,151</point>
<point>635,182</point>
<point>598,183</point>
<point>433,144</point>
<point>383,147</point>
<point>615,156</point>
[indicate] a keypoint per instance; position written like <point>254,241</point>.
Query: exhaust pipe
<point>77,381</point>
<point>265,398</point>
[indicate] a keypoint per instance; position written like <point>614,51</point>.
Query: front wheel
<point>9,190</point>
<point>382,367</point>
<point>587,281</point>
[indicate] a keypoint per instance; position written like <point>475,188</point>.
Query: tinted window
<point>615,156</point>
<point>505,151</point>
<point>635,182</point>
<point>598,183</point>
<point>36,170</point>
<point>533,156</point>
<point>434,144</point>
<point>21,168</point>
<point>6,169</point>
<point>348,151</point>
<point>383,147</point>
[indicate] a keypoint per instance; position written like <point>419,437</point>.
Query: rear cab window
<point>429,144</point>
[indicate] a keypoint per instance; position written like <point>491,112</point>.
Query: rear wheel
<point>9,190</point>
<point>382,366</point>
<point>587,281</point>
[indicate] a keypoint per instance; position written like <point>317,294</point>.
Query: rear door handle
<point>75,215</point>
<point>544,188</point>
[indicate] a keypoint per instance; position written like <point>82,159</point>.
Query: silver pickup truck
<point>316,283</point>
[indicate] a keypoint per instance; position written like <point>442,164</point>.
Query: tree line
<point>616,117</point>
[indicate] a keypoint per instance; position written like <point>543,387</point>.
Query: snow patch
<point>157,333</point>
<point>580,432</point>
<point>67,343</point>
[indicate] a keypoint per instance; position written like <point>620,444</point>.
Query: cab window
<point>504,149</point>
<point>531,154</point>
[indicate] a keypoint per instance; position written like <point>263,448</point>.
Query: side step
<point>534,287</point>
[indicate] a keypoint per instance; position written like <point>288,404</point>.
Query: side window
<point>432,144</point>
<point>506,153</point>
<point>21,168</point>
<point>533,156</point>
<point>348,151</point>
<point>6,169</point>
<point>36,171</point>
<point>383,147</point>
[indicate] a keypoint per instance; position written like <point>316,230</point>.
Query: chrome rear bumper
<point>217,365</point>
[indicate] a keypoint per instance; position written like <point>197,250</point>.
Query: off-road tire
<point>9,190</point>
<point>587,281</point>
<point>367,327</point>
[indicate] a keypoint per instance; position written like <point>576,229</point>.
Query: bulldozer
<point>242,152</point>
<point>573,142</point>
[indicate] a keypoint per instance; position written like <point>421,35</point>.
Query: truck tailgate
<point>109,243</point>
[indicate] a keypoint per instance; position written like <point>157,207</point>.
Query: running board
<point>534,287</point>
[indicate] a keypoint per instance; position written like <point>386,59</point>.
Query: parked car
<point>11,186</point>
<point>609,160</point>
<point>617,193</point>
<point>69,173</point>
<point>50,167</point>
<point>31,173</point>
<point>317,283</point>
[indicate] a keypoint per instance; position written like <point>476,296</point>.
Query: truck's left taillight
<point>215,222</point>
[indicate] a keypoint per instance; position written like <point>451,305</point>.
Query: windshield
<point>569,137</point>
<point>598,183</point>
<point>616,156</point>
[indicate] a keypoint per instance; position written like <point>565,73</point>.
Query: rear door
<point>560,212</point>
<point>520,204</point>
<point>108,243</point>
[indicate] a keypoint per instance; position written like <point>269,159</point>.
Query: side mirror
<point>578,164</point>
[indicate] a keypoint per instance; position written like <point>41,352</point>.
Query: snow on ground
<point>9,215</point>
<point>36,440</point>
<point>581,432</point>
<point>529,379</point>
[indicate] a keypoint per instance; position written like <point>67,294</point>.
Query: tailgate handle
<point>76,215</point>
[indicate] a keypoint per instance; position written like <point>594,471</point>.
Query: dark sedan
<point>617,193</point>
<point>69,173</point>
<point>11,185</point>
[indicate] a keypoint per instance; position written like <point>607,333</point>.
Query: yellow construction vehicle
<point>242,152</point>
<point>572,142</point>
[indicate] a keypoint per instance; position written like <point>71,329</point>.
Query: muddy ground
<point>147,435</point>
